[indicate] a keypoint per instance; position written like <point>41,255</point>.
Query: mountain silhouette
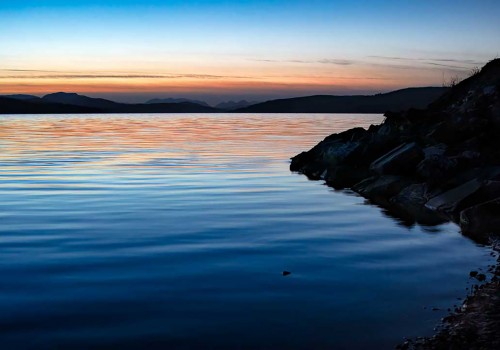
<point>62,102</point>
<point>233,105</point>
<point>80,100</point>
<point>392,101</point>
<point>34,106</point>
<point>177,100</point>
<point>22,97</point>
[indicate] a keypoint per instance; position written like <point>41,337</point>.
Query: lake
<point>172,232</point>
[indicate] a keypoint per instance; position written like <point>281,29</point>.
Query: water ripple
<point>171,231</point>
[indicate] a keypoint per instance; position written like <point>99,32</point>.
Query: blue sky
<point>223,49</point>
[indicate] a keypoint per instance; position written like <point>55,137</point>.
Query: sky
<point>132,51</point>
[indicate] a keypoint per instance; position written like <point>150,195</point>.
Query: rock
<point>466,195</point>
<point>488,191</point>
<point>301,160</point>
<point>314,170</point>
<point>473,273</point>
<point>489,90</point>
<point>336,153</point>
<point>479,173</point>
<point>444,159</point>
<point>410,204</point>
<point>351,135</point>
<point>471,155</point>
<point>415,194</point>
<point>435,150</point>
<point>330,152</point>
<point>437,168</point>
<point>370,149</point>
<point>345,176</point>
<point>449,201</point>
<point>444,132</point>
<point>482,219</point>
<point>381,189</point>
<point>401,160</point>
<point>495,114</point>
<point>481,277</point>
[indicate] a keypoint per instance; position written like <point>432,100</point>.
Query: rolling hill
<point>392,101</point>
<point>73,103</point>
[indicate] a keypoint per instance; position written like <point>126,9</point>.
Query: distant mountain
<point>21,97</point>
<point>183,107</point>
<point>392,101</point>
<point>19,106</point>
<point>176,100</point>
<point>62,102</point>
<point>233,105</point>
<point>80,100</point>
<point>73,103</point>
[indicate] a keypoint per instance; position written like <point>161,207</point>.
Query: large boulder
<point>336,153</point>
<point>333,150</point>
<point>401,160</point>
<point>344,176</point>
<point>437,168</point>
<point>486,173</point>
<point>481,220</point>
<point>414,194</point>
<point>466,195</point>
<point>495,114</point>
<point>301,160</point>
<point>381,188</point>
<point>448,202</point>
<point>410,203</point>
<point>488,191</point>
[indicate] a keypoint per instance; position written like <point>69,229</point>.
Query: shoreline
<point>475,324</point>
<point>429,167</point>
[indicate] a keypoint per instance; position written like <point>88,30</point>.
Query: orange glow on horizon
<point>225,77</point>
<point>144,85</point>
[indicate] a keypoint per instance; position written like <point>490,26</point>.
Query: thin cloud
<point>333,61</point>
<point>340,62</point>
<point>440,62</point>
<point>28,70</point>
<point>63,76</point>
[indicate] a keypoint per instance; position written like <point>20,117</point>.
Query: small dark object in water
<point>473,273</point>
<point>435,309</point>
<point>286,273</point>
<point>481,277</point>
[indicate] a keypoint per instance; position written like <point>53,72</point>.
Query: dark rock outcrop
<point>481,220</point>
<point>430,166</point>
<point>441,163</point>
<point>402,159</point>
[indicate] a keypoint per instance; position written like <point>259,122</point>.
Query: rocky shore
<point>429,166</point>
<point>474,326</point>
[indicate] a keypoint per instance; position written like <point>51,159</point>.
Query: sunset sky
<point>219,50</point>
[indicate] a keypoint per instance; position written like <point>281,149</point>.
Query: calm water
<point>172,232</point>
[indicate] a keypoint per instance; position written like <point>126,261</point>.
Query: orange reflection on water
<point>159,140</point>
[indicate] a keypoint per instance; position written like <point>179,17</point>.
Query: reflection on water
<point>172,231</point>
